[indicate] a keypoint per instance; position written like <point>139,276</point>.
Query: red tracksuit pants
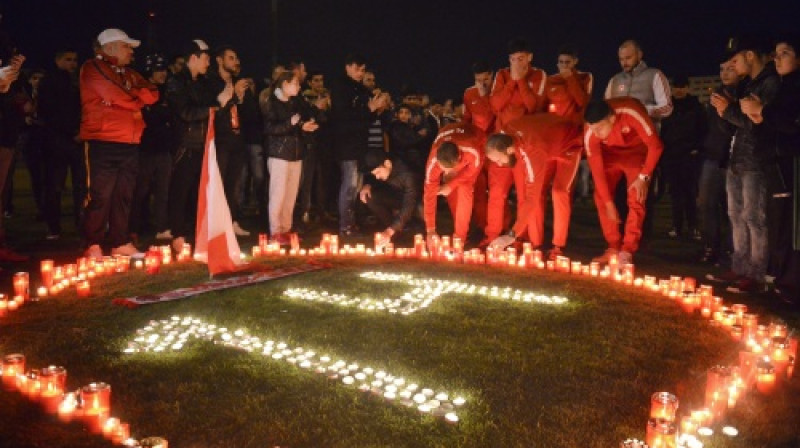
<point>615,167</point>
<point>460,202</point>
<point>561,173</point>
<point>498,213</point>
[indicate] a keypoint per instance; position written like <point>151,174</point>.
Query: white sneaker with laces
<point>239,231</point>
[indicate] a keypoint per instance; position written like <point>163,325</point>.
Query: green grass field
<point>578,374</point>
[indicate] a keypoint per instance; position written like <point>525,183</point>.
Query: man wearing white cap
<point>112,96</point>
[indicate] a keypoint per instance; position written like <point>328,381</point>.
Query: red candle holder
<point>766,381</point>
<point>83,289</point>
<point>661,433</point>
<point>54,381</point>
<point>96,399</point>
<point>22,285</point>
<point>152,262</point>
<point>47,272</point>
<point>663,405</point>
<point>13,366</point>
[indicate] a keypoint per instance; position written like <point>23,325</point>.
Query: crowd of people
<point>134,144</point>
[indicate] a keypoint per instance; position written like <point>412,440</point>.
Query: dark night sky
<point>429,44</point>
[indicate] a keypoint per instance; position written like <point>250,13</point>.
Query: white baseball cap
<point>116,35</point>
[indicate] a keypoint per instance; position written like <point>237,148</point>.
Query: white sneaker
<point>239,231</point>
<point>94,251</point>
<point>624,258</point>
<point>126,249</point>
<point>165,235</point>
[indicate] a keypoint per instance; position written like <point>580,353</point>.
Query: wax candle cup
<point>13,366</point>
<point>663,405</point>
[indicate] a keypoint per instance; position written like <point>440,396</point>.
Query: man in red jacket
<point>478,111</point>
<point>533,146</point>
<point>621,140</point>
<point>112,96</point>
<point>454,163</point>
<point>518,90</point>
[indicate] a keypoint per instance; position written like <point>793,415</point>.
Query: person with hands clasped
<point>284,124</point>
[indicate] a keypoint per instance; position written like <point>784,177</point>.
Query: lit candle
<point>765,380</point>
<point>661,434</point>
<point>152,262</point>
<point>96,398</point>
<point>21,285</point>
<point>54,380</point>
<point>41,292</point>
<point>110,427</point>
<point>47,272</point>
<point>83,288</point>
<point>68,407</point>
<point>13,365</point>
<point>663,405</point>
<point>780,356</point>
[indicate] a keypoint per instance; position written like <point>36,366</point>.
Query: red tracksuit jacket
<point>512,99</point>
<point>633,139</point>
<point>478,109</point>
<point>569,96</point>
<point>470,141</point>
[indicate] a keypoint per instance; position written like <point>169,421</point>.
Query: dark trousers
<point>112,178</point>
<point>232,159</point>
<point>63,154</point>
<point>784,260</point>
<point>183,187</point>
<point>311,185</point>
<point>682,180</point>
<point>153,179</point>
<point>713,205</point>
<point>32,152</point>
<point>6,157</point>
<point>383,203</point>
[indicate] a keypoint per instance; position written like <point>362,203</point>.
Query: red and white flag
<point>215,243</point>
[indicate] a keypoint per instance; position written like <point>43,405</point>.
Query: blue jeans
<point>351,181</point>
<point>747,210</point>
<point>711,201</point>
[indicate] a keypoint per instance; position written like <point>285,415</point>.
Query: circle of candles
<point>663,405</point>
<point>13,365</point>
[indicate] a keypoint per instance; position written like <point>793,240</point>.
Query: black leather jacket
<point>190,101</point>
<point>283,139</point>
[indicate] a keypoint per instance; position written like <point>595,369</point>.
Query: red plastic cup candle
<point>68,408</point>
<point>13,366</point>
<point>110,427</point>
<point>83,288</point>
<point>718,382</point>
<point>47,272</point>
<point>54,380</point>
<point>22,285</point>
<point>32,384</point>
<point>42,292</point>
<point>663,405</point>
<point>661,434</point>
<point>122,433</point>
<point>780,356</point>
<point>152,262</point>
<point>96,398</point>
<point>3,305</point>
<point>765,379</point>
<point>186,252</point>
<point>689,284</point>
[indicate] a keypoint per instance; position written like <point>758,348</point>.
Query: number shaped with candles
<point>174,333</point>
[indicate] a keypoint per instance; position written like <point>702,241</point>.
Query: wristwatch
<point>644,177</point>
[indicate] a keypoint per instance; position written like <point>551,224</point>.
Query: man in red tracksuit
<point>478,111</point>
<point>454,163</point>
<point>518,90</point>
<point>568,91</point>
<point>621,140</point>
<point>112,97</point>
<point>532,146</point>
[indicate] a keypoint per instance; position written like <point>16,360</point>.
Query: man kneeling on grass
<point>391,193</point>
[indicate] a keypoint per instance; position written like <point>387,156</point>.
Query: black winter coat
<point>284,140</point>
<point>190,101</point>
